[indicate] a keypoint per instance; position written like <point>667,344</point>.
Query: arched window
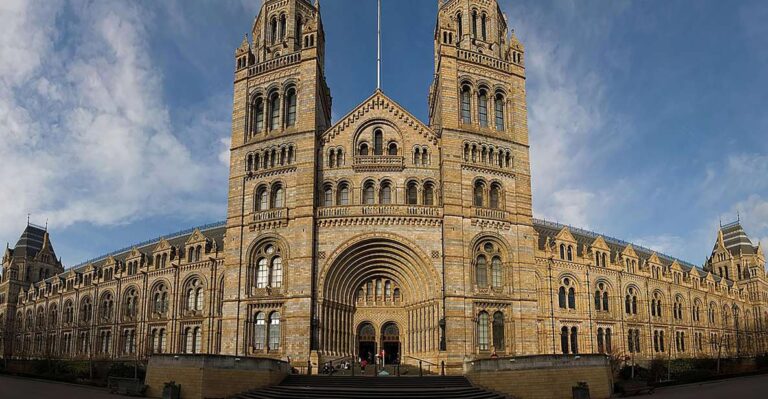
<point>107,307</point>
<point>630,302</point>
<point>259,331</point>
<point>194,294</point>
<point>130,304</point>
<point>274,111</point>
<point>299,30</point>
<point>392,149</point>
<point>601,298</point>
<point>429,194</point>
<point>485,27</point>
<point>481,271</point>
<point>495,196</point>
<point>482,107</point>
<point>460,23</point>
<point>479,194</point>
<point>571,298</point>
<point>339,158</point>
<point>498,331</point>
<point>258,115</point>
<point>160,300</point>
<point>496,272</point>
<point>570,253</point>
<point>276,278</point>
<point>262,273</point>
<point>86,310</point>
<point>273,30</point>
<point>564,340</point>
<point>368,197</point>
<point>343,195</point>
<point>364,149</point>
<point>499,111</point>
<point>378,142</point>
<point>262,199</point>
<point>574,340</point>
<point>600,340</point>
<point>282,27</point>
<point>482,331</point>
<point>385,194</point>
<point>328,196</point>
<point>274,331</point>
<point>466,104</point>
<point>412,194</point>
<point>474,24</point>
<point>561,299</point>
<point>290,106</point>
<point>278,196</point>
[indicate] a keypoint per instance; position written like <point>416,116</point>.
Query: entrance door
<point>366,339</point>
<point>390,343</point>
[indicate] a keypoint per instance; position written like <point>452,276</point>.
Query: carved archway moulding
<point>378,255</point>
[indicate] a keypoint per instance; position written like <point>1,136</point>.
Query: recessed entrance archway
<point>390,343</point>
<point>379,292</point>
<point>366,341</point>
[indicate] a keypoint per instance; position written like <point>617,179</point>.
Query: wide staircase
<point>343,387</point>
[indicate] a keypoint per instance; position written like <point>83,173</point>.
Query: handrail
<point>421,360</point>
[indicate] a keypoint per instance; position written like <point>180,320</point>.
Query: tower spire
<point>378,59</point>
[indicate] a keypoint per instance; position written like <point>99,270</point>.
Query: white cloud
<point>86,135</point>
<point>753,213</point>
<point>567,115</point>
<point>664,244</point>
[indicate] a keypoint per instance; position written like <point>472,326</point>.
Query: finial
<point>28,215</point>
<point>738,217</point>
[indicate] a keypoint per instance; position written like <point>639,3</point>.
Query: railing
<point>374,162</point>
<point>486,213</point>
<point>274,64</point>
<point>429,365</point>
<point>380,210</point>
<point>484,60</point>
<point>272,214</point>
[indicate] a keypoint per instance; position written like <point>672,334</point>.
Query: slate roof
<point>585,237</point>
<point>30,242</point>
<point>214,232</point>
<point>736,239</point>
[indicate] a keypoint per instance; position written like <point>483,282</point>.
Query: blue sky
<point>647,118</point>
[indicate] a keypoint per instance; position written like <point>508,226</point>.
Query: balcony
<point>267,66</point>
<point>378,163</point>
<point>272,218</point>
<point>486,213</point>
<point>380,210</point>
<point>481,59</point>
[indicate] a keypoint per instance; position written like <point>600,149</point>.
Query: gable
<point>378,107</point>
<point>565,235</point>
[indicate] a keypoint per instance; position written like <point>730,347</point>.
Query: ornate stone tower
<point>30,262</point>
<point>281,103</point>
<point>477,105</point>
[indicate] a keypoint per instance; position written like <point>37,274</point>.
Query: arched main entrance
<point>366,341</point>
<point>390,343</point>
<point>378,292</point>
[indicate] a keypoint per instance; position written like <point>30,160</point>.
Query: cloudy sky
<point>647,119</point>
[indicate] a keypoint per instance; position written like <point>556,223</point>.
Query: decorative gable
<point>378,106</point>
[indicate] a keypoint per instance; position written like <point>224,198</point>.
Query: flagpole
<point>378,60</point>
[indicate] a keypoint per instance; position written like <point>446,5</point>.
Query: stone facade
<point>380,231</point>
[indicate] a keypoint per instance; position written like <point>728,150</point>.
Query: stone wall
<point>207,376</point>
<point>542,377</point>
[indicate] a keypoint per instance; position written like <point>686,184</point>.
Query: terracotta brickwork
<point>381,231</point>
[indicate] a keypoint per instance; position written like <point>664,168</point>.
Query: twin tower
<point>378,231</point>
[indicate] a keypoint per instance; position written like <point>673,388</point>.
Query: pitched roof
<point>30,242</point>
<point>736,239</point>
<point>585,237</point>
